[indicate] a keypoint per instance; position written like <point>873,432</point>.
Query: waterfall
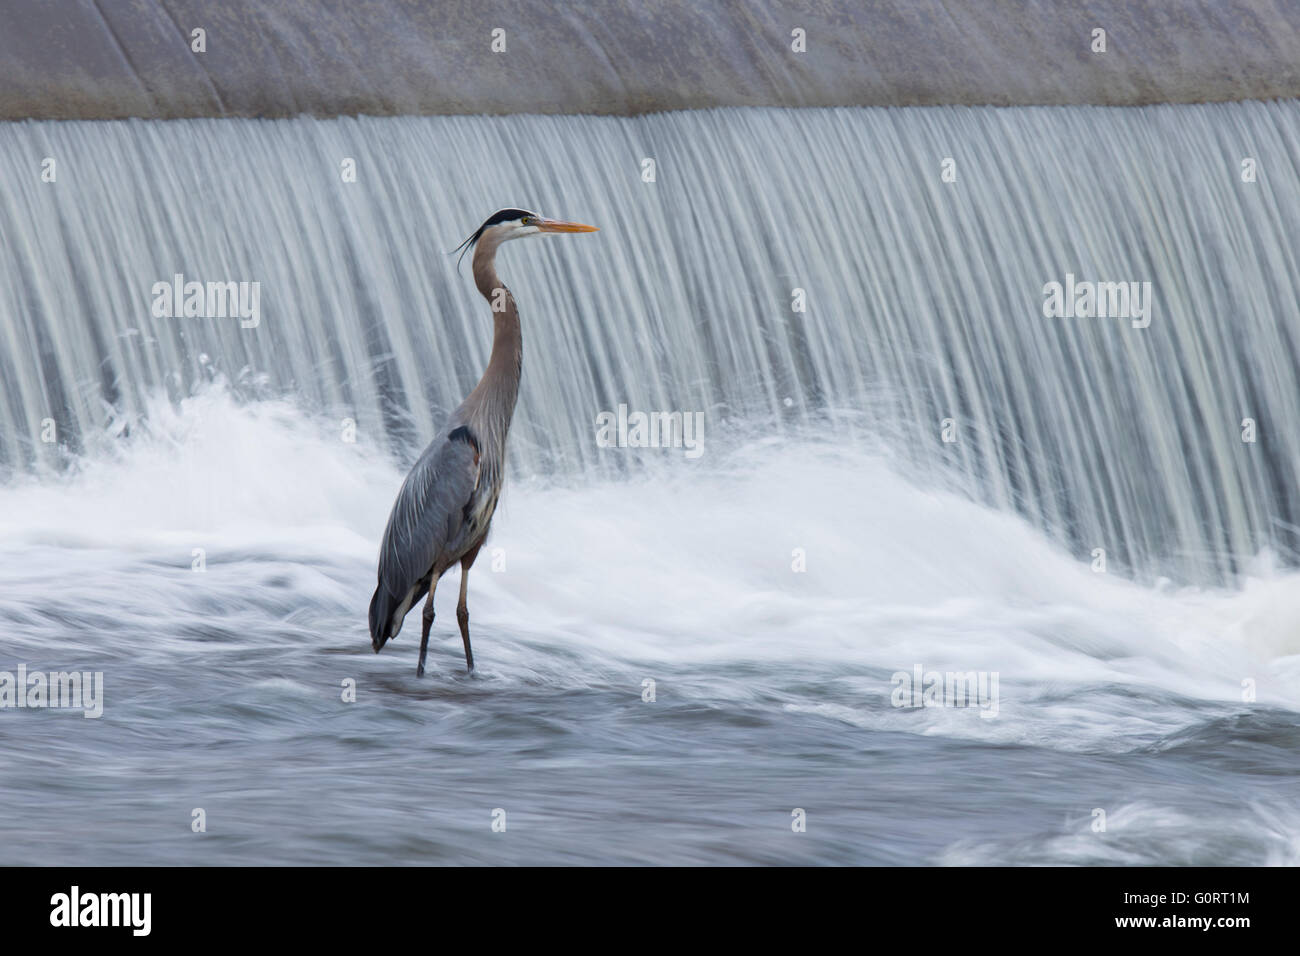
<point>922,241</point>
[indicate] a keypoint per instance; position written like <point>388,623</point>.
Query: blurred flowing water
<point>1164,691</point>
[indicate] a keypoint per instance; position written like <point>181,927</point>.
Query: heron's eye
<point>527,220</point>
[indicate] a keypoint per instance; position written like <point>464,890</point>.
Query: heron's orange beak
<point>559,225</point>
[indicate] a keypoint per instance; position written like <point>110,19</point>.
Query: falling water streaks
<point>923,293</point>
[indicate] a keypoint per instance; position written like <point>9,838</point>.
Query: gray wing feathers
<point>424,528</point>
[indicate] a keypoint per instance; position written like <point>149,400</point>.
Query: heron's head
<point>515,224</point>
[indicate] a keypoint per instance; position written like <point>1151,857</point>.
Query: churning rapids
<point>1123,691</point>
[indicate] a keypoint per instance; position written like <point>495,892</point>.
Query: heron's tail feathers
<point>382,625</point>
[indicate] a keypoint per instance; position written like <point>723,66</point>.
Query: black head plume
<point>498,217</point>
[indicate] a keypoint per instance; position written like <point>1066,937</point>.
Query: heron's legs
<point>426,623</point>
<point>462,610</point>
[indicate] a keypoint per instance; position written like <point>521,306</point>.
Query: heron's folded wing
<point>428,515</point>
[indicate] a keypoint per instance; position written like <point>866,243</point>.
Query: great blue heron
<point>443,511</point>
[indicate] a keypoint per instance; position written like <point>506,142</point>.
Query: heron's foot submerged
<point>426,622</point>
<point>462,618</point>
<point>469,667</point>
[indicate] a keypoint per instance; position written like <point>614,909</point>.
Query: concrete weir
<point>81,59</point>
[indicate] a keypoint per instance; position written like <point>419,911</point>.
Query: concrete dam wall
<point>99,59</point>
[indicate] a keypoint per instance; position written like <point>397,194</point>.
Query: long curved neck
<point>492,403</point>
